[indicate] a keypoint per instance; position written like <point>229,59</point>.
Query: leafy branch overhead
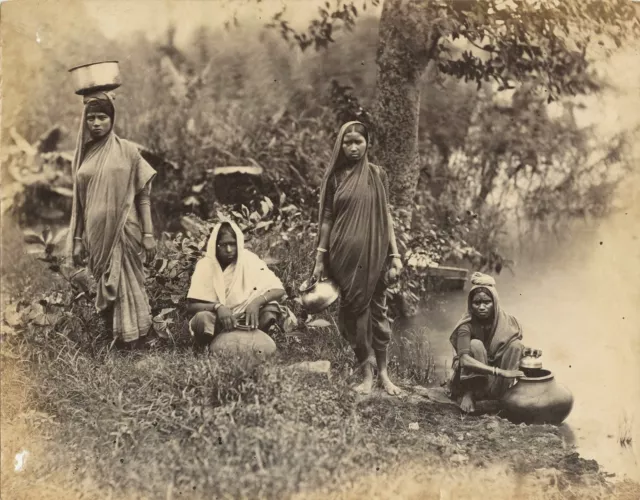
<point>543,42</point>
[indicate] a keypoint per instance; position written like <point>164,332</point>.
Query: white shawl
<point>239,284</point>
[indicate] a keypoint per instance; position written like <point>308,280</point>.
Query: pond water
<point>582,308</point>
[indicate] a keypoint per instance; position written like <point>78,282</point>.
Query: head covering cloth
<point>239,283</point>
<point>504,329</point>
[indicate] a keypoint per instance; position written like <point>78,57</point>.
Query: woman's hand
<point>509,373</point>
<point>149,245</point>
<point>252,313</point>
<point>79,253</point>
<point>393,273</point>
<point>319,272</point>
<point>225,316</point>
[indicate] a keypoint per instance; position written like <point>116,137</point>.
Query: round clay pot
<point>241,341</point>
<point>537,399</point>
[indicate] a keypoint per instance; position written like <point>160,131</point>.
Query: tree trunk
<point>403,54</point>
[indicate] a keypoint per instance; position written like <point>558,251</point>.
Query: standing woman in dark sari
<point>111,225</point>
<point>357,248</point>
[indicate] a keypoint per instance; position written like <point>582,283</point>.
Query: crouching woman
<point>488,347</point>
<point>231,286</point>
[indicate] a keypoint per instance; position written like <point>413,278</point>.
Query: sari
<point>239,284</point>
<point>501,344</point>
<point>358,250</point>
<point>108,173</point>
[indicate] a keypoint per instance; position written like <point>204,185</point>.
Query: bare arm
<point>143,205</point>
<point>79,221</point>
<point>476,366</point>
<point>196,306</point>
<point>273,295</point>
<point>325,235</point>
<point>393,244</point>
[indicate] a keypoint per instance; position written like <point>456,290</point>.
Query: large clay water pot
<point>243,341</point>
<point>537,399</point>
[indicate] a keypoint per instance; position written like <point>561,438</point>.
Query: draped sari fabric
<point>108,174</point>
<point>501,347</point>
<point>239,284</point>
<point>359,240</point>
<point>505,328</point>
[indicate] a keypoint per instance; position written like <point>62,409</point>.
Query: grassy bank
<point>166,423</point>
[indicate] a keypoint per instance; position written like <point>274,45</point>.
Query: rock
<point>458,458</point>
<point>255,342</point>
<point>322,366</point>
<point>414,426</point>
<point>492,426</point>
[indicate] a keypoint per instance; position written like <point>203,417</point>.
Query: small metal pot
<point>94,77</point>
<point>530,363</point>
<point>318,296</point>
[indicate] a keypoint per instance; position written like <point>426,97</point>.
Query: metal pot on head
<point>316,296</point>
<point>95,77</point>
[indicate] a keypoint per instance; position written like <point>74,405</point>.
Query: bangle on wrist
<point>322,250</point>
<point>217,306</point>
<point>265,299</point>
<point>147,234</point>
<point>77,238</point>
<point>394,255</point>
<point>495,372</point>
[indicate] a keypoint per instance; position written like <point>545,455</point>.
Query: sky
<point>154,16</point>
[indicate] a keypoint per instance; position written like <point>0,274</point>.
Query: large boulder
<point>254,342</point>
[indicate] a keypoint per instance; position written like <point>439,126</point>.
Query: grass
<point>165,423</point>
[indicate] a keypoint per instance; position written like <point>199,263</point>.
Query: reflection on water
<point>581,309</point>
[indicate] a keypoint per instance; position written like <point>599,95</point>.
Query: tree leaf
<point>263,224</point>
<point>60,235</point>
<point>165,311</point>
<point>11,315</point>
<point>290,322</point>
<point>191,201</point>
<point>63,191</point>
<point>197,188</point>
<point>32,238</point>
<point>319,323</point>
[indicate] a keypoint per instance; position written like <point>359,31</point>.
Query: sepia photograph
<point>320,249</point>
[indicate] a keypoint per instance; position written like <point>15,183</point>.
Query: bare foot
<point>367,384</point>
<point>390,387</point>
<point>364,388</point>
<point>468,405</point>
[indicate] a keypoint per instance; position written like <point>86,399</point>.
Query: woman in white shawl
<point>230,286</point>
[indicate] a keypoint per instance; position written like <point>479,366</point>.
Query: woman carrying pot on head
<point>111,219</point>
<point>357,249</point>
<point>488,347</point>
<point>232,286</point>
